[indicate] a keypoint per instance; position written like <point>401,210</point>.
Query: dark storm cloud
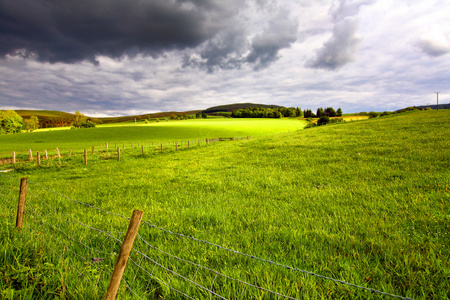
<point>72,31</point>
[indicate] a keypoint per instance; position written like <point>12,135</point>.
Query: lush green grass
<point>156,132</point>
<point>365,202</point>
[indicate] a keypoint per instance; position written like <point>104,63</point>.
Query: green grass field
<point>78,139</point>
<point>363,202</point>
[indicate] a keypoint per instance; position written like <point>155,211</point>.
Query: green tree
<point>10,122</point>
<point>320,112</point>
<point>323,120</point>
<point>339,112</point>
<point>373,114</point>
<point>330,112</point>
<point>31,124</point>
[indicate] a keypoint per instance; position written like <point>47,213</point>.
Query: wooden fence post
<point>70,152</point>
<point>57,152</point>
<point>93,149</point>
<point>122,259</point>
<point>188,144</point>
<point>21,205</point>
<point>14,157</point>
<point>118,154</point>
<point>199,142</point>
<point>85,157</point>
<point>30,155</point>
<point>142,149</point>
<point>207,142</point>
<point>38,156</point>
<point>101,147</point>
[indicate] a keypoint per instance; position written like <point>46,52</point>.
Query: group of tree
<point>328,112</point>
<point>263,112</point>
<point>12,122</point>
<point>81,121</point>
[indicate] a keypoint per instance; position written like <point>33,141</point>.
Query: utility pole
<point>437,100</point>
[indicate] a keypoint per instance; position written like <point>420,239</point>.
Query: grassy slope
<point>365,202</point>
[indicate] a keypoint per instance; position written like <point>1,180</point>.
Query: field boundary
<point>49,211</point>
<point>144,148</point>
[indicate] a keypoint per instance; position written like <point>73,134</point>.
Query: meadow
<point>66,138</point>
<point>364,202</point>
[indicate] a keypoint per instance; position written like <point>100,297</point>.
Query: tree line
<point>262,112</point>
<point>286,112</point>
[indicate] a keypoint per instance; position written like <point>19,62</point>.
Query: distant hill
<point>64,119</point>
<point>441,106</point>
<point>145,116</point>
<point>232,107</point>
<point>44,114</point>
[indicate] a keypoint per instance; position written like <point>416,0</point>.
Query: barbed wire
<point>277,264</point>
<point>212,271</point>
<point>219,247</point>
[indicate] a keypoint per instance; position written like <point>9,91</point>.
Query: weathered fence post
<point>21,205</point>
<point>101,147</point>
<point>93,149</point>
<point>85,157</point>
<point>118,154</point>
<point>38,157</point>
<point>106,146</point>
<point>207,142</point>
<point>122,259</point>
<point>142,149</point>
<point>57,152</point>
<point>46,154</point>
<point>14,157</point>
<point>30,155</point>
<point>70,152</point>
<point>199,142</point>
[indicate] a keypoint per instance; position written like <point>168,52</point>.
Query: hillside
<point>441,106</point>
<point>363,202</point>
<point>235,106</point>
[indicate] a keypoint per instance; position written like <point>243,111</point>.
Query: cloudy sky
<point>123,57</point>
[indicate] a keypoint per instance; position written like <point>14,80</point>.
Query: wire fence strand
<point>84,241</point>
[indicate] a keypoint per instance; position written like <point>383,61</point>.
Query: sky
<point>127,57</point>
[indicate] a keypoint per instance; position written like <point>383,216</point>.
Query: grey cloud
<point>280,33</point>
<point>73,31</point>
<point>347,8</point>
<point>340,49</point>
<point>232,48</point>
<point>433,47</point>
<point>342,46</point>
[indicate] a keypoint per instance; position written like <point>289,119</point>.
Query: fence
<point>105,151</point>
<point>90,239</point>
